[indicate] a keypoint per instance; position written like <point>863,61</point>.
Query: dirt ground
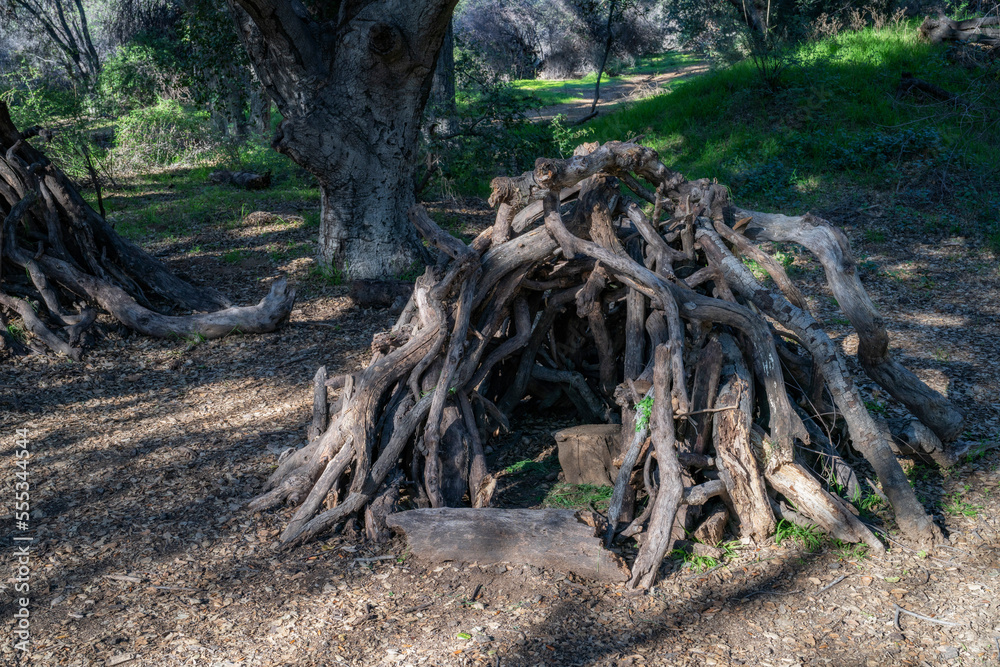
<point>145,454</point>
<point>618,91</point>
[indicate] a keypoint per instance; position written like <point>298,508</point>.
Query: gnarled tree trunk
<point>351,81</point>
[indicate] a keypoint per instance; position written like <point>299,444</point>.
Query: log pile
<point>612,284</point>
<point>59,258</point>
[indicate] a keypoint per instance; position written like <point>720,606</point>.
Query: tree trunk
<point>351,83</point>
<point>443,88</point>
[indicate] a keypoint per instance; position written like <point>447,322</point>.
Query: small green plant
<point>581,496</point>
<point>874,236</point>
<point>642,411</point>
<point>847,551</point>
<point>194,339</point>
<point>755,268</point>
<point>693,561</point>
<point>566,138</point>
<point>528,466</point>
<point>729,549</point>
<point>786,259</point>
<point>332,274</point>
<point>311,219</point>
<point>233,257</point>
<point>17,332</point>
<point>877,407</point>
<point>953,504</point>
<point>809,536</point>
<point>978,450</point>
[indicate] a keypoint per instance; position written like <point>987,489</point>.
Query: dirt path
<point>145,454</point>
<point>618,91</point>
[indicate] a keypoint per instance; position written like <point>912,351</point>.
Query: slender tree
<point>350,80</point>
<point>66,25</point>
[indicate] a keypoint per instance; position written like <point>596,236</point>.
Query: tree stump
<point>586,453</point>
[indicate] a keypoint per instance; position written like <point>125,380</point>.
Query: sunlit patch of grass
<point>578,496</point>
<point>808,537</point>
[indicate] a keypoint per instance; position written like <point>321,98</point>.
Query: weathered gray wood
<point>738,467</point>
<point>550,538</point>
<point>713,527</point>
<point>983,29</point>
<point>865,434</point>
<point>671,490</point>
<point>810,500</point>
<point>380,509</point>
<point>704,390</point>
<point>832,249</point>
<point>320,412</point>
<point>586,453</point>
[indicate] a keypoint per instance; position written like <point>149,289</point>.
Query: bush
<point>33,100</point>
<point>132,78</point>
<point>161,135</point>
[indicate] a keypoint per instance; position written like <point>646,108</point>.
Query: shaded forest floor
<point>145,454</point>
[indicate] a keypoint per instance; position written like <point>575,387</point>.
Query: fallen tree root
<point>56,250</point>
<point>578,299</point>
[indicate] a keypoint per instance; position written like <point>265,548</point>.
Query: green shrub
<point>35,100</point>
<point>164,134</point>
<point>129,79</point>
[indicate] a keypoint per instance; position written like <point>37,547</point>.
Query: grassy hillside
<point>834,129</point>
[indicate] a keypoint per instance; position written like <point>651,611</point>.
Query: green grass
<point>979,450</point>
<point>846,551</point>
<point>177,203</point>
<point>643,409</point>
<point>954,505</point>
<point>693,561</point>
<point>17,332</point>
<point>835,123</point>
<point>565,91</point>
<point>578,496</point>
<point>530,466</point>
<point>808,537</point>
<point>699,563</point>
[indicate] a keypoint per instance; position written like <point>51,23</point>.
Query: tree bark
<point>351,81</point>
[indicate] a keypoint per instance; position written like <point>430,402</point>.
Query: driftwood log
<point>981,30</point>
<point>59,259</point>
<point>612,286</point>
<point>563,540</point>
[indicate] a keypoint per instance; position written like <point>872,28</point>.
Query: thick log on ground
<point>578,299</point>
<point>555,539</point>
<point>56,250</point>
<point>982,30</point>
<point>247,180</point>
